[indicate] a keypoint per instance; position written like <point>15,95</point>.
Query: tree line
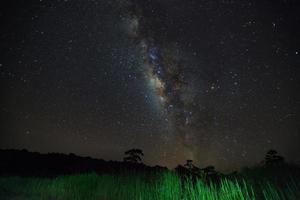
<point>271,159</point>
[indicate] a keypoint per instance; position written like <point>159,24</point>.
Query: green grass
<point>165,186</point>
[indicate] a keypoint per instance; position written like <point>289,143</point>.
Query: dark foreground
<point>30,176</point>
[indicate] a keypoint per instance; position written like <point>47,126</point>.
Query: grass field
<point>165,186</point>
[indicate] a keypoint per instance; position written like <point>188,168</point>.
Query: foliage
<point>134,156</point>
<point>272,158</point>
<point>165,186</point>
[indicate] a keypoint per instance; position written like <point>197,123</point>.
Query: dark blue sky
<point>212,81</point>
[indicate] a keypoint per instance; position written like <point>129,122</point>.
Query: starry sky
<point>212,81</point>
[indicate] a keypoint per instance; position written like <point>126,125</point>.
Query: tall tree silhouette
<point>272,158</point>
<point>133,156</point>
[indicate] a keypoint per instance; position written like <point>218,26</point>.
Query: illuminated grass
<point>166,186</point>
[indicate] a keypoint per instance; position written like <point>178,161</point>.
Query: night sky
<point>212,81</point>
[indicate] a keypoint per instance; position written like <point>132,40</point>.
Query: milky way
<point>166,74</point>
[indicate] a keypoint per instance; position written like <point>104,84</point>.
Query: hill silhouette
<point>25,163</point>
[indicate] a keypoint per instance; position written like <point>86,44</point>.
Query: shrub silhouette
<point>209,170</point>
<point>133,156</point>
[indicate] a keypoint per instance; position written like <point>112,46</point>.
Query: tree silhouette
<point>133,156</point>
<point>189,164</point>
<point>191,167</point>
<point>272,158</point>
